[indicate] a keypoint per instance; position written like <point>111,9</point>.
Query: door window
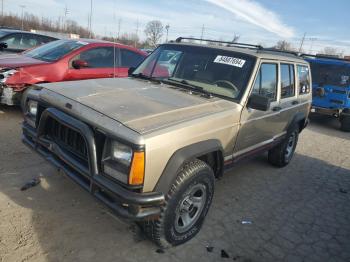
<point>287,81</point>
<point>266,81</point>
<point>29,41</point>
<point>100,57</point>
<point>129,58</point>
<point>46,39</point>
<point>13,41</point>
<point>304,79</point>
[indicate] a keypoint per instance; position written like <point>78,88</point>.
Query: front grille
<point>337,101</point>
<point>68,139</point>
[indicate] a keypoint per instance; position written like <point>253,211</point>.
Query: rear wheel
<point>187,204</point>
<point>345,123</point>
<point>282,154</point>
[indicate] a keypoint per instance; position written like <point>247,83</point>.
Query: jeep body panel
<point>259,128</point>
<point>172,123</point>
<point>110,111</point>
<point>140,105</point>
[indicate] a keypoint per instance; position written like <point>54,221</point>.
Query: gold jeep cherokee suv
<point>150,146</point>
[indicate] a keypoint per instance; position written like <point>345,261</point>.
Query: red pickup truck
<point>64,60</point>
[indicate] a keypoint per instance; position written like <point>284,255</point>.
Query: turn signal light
<point>137,171</point>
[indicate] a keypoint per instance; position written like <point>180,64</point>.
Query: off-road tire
<point>277,156</point>
<point>345,123</point>
<point>163,230</point>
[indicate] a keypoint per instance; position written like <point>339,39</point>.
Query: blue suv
<point>331,88</point>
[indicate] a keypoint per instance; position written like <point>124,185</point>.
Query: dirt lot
<point>299,213</point>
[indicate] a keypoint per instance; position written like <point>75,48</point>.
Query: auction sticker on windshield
<point>228,60</point>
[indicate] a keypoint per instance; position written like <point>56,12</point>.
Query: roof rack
<point>325,56</point>
<point>282,51</point>
<point>259,48</point>
<point>243,45</point>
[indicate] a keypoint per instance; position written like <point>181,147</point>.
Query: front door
<point>101,62</point>
<point>258,128</point>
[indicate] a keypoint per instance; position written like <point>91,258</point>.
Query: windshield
<point>214,71</point>
<point>3,33</point>
<point>330,74</point>
<point>55,50</point>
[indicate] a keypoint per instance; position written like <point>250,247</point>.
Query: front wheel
<point>187,204</point>
<point>282,154</point>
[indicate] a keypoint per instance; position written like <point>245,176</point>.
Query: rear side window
<point>287,81</point>
<point>303,79</point>
<point>266,81</point>
<point>44,39</point>
<point>130,58</point>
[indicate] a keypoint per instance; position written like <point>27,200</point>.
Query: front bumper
<point>326,111</point>
<point>126,203</point>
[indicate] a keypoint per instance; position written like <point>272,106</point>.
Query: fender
<point>180,157</point>
<point>296,120</point>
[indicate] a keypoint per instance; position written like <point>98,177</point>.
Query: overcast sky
<point>256,21</point>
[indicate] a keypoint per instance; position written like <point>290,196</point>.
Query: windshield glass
<point>215,71</point>
<point>330,74</point>
<point>3,33</point>
<point>55,50</point>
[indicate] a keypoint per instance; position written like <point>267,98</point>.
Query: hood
<point>18,60</point>
<point>139,104</point>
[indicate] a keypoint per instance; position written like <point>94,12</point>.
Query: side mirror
<point>3,46</point>
<point>259,102</point>
<point>131,70</point>
<point>78,64</point>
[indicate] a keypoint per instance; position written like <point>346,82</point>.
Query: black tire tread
<point>276,154</point>
<point>345,123</point>
<point>153,229</point>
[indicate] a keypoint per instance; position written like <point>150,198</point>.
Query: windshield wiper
<point>191,87</point>
<point>141,75</point>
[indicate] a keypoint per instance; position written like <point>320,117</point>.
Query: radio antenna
<point>114,42</point>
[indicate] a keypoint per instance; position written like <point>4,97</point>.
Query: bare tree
<point>284,46</point>
<point>42,23</point>
<point>331,51</point>
<point>154,32</point>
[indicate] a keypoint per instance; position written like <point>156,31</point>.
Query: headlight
<point>123,164</point>
<point>32,108</point>
<point>121,153</point>
<point>7,74</point>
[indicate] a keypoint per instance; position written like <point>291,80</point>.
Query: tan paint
<point>166,120</point>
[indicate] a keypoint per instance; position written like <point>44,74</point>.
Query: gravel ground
<point>299,213</point>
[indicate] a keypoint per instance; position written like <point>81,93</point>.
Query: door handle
<point>277,108</point>
<point>295,102</point>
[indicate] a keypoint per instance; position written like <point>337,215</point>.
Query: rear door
<point>259,128</point>
<point>289,102</point>
<point>128,59</point>
<point>101,62</point>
